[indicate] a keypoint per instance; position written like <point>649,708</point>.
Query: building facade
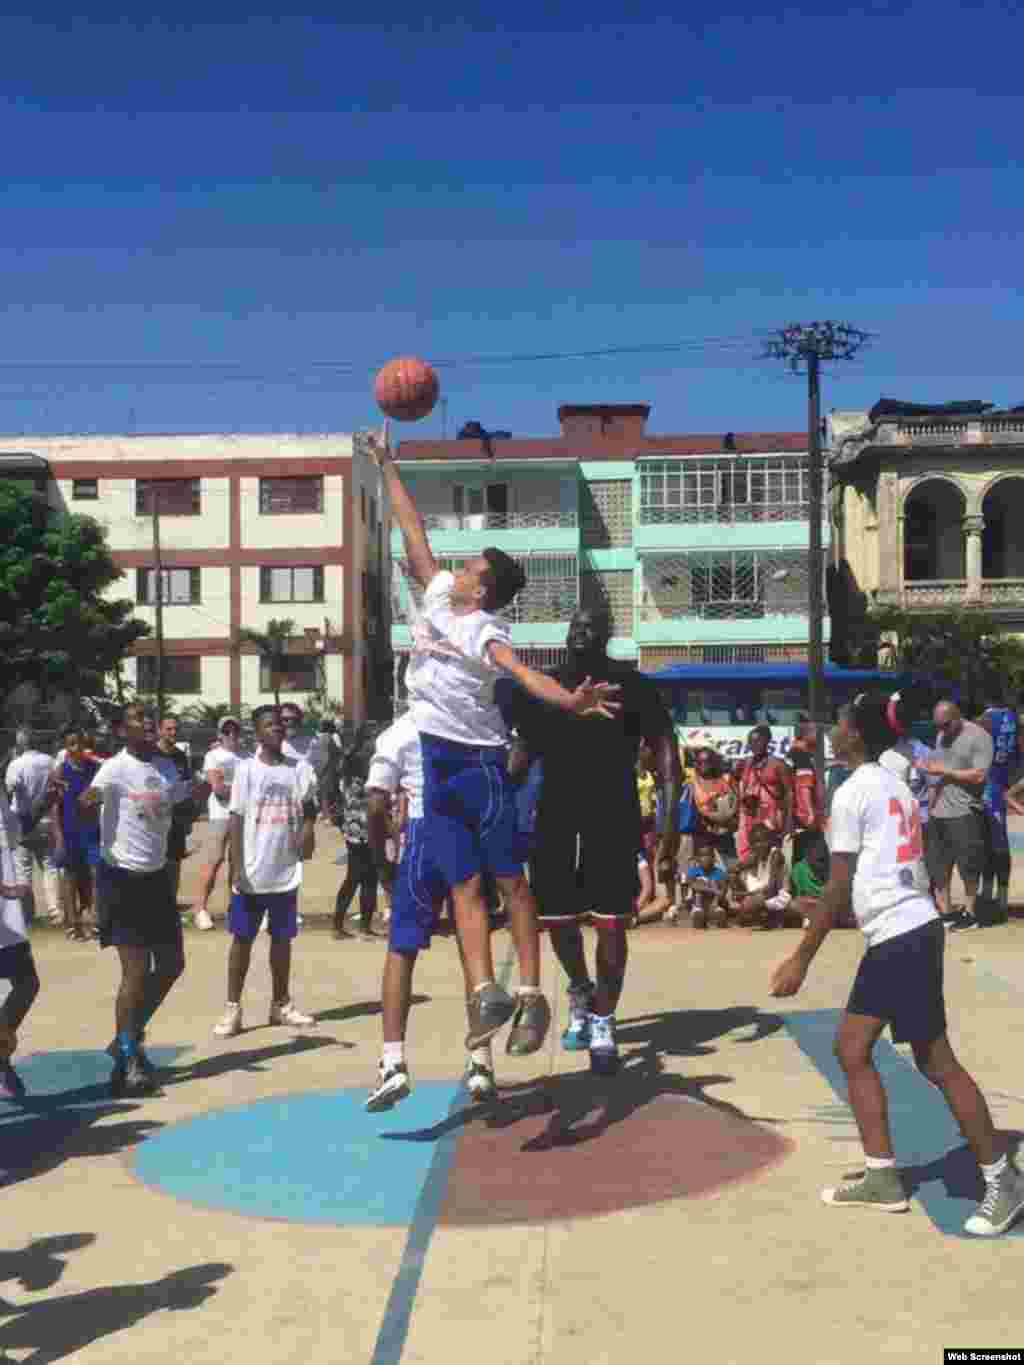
<point>924,502</point>
<point>251,528</point>
<point>698,545</point>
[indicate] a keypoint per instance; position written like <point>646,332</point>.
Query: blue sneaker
<point>576,1037</point>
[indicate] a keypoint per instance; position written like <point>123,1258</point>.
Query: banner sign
<point>731,740</point>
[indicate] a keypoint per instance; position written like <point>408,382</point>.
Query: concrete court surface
<point>254,1212</point>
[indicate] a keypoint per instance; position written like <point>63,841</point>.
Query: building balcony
<point>993,594</point>
<point>515,532</point>
<point>783,525</point>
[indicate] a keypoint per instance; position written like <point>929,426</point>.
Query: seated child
<point>758,883</point>
<point>705,889</point>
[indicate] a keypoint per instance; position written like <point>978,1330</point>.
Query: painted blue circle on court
<point>317,1157</point>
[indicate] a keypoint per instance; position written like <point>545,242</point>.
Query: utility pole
<point>158,574</point>
<point>808,344</point>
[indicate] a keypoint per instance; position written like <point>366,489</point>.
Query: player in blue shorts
<point>417,890</point>
<point>271,832</point>
<point>460,647</point>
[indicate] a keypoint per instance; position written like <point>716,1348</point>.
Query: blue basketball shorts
<point>469,810</point>
<point>417,893</point>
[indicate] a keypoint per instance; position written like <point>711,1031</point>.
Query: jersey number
<point>911,846</point>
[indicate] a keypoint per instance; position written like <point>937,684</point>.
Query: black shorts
<point>136,909</point>
<point>17,963</point>
<point>900,981</point>
<point>579,871</point>
<point>956,842</point>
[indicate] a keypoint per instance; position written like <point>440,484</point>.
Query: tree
<point>208,715</point>
<point>272,645</point>
<point>963,646</point>
<point>57,629</point>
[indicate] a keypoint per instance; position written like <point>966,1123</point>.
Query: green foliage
<point>209,715</point>
<point>272,645</point>
<point>57,630</point>
<point>964,646</point>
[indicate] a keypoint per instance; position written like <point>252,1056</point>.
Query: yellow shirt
<point>645,788</point>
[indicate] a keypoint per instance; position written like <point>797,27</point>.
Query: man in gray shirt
<point>956,826</point>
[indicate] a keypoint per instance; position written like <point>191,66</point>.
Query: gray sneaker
<point>532,1021</point>
<point>489,1010</point>
<point>880,1189</point>
<point>1004,1200</point>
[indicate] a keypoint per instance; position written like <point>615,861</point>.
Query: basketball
<point>406,389</point>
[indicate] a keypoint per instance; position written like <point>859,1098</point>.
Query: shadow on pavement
<point>251,1059</point>
<point>362,1009</point>
<point>60,1327</point>
<point>40,1265</point>
<point>582,1105</point>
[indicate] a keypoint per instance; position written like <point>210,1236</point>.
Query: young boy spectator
<point>758,882</point>
<point>272,832</point>
<point>705,889</point>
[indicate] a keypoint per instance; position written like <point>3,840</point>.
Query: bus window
<point>781,706</point>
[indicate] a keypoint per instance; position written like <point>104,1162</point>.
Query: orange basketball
<point>406,389</point>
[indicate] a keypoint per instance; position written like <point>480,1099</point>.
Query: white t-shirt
<point>139,797</point>
<point>223,761</point>
<point>27,776</point>
<point>876,816</point>
<point>450,675</point>
<point>398,762</point>
<point>12,915</point>
<point>269,797</point>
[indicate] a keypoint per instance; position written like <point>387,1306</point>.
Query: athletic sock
<point>128,1043</point>
<point>392,1055</point>
<point>529,990</point>
<point>481,1056</point>
<point>880,1163</point>
<point>482,987</point>
<point>993,1172</point>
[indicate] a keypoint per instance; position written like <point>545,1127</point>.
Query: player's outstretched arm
<point>589,699</point>
<point>422,564</point>
<point>789,975</point>
<point>670,789</point>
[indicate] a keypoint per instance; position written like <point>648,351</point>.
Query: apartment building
<point>251,528</point>
<point>697,544</point>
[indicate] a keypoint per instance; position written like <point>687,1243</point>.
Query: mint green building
<point>696,544</point>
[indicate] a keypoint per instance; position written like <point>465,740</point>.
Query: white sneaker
<point>480,1083</point>
<point>203,919</point>
<point>286,1013</point>
<point>230,1022</point>
<point>392,1087</point>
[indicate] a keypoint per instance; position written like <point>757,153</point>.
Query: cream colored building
<point>927,506</point>
<point>251,528</point>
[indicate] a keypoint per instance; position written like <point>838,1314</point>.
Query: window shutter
<point>140,585</point>
<point>194,587</point>
<point>318,583</point>
<point>264,584</point>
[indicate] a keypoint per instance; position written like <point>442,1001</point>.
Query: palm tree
<point>208,715</point>
<point>272,645</point>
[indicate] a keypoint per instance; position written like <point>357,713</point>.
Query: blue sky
<point>228,225</point>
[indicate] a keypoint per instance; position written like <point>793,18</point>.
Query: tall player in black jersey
<point>587,834</point>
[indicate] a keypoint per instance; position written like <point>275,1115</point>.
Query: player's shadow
<point>362,1009</point>
<point>250,1059</point>
<point>58,1328</point>
<point>580,1106</point>
<point>956,1169</point>
<point>686,1033</point>
<point>41,1264</point>
<point>49,1131</point>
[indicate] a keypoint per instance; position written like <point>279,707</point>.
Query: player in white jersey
<point>877,866</point>
<point>460,647</point>
<point>418,890</point>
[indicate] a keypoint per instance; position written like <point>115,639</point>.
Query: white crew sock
<point>993,1172</point>
<point>880,1163</point>
<point>481,1056</point>
<point>392,1054</point>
